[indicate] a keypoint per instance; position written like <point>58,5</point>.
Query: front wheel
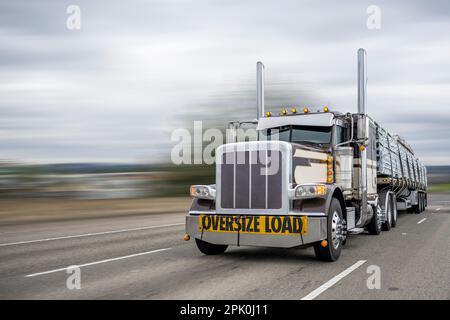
<point>332,250</point>
<point>209,248</point>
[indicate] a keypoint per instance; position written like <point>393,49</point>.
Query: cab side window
<point>340,134</point>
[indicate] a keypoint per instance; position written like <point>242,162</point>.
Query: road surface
<point>144,257</point>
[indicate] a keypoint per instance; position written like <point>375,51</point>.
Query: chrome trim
<point>336,230</point>
<point>317,230</point>
<point>259,90</point>
<point>267,182</point>
<point>197,212</point>
<point>362,81</point>
<point>286,165</point>
<point>250,180</point>
<point>309,119</point>
<point>234,180</point>
<point>289,213</point>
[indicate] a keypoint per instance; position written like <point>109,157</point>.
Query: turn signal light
<point>362,147</point>
<point>330,169</point>
<point>323,243</point>
<point>186,237</point>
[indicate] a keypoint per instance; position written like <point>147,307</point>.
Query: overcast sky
<point>114,90</point>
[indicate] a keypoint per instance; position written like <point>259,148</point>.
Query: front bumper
<point>317,231</point>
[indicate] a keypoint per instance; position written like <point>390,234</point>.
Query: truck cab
<point>276,191</point>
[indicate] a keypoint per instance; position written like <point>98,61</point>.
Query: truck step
<point>356,231</point>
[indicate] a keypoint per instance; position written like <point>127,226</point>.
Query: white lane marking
<point>89,234</point>
<point>437,209</point>
<point>97,262</point>
<point>421,220</point>
<point>404,234</point>
<point>333,280</point>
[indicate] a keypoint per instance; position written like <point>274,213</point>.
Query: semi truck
<point>310,178</point>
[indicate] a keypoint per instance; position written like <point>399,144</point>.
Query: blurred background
<point>87,114</point>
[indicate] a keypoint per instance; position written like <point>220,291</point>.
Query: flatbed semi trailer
<point>310,179</point>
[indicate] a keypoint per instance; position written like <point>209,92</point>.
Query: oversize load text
<point>283,225</point>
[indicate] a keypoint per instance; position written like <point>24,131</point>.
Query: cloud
<point>115,89</point>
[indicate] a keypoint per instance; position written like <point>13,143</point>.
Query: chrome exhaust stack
<point>259,90</point>
<point>363,132</point>
<point>362,81</point>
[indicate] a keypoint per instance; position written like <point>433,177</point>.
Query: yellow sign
<point>279,225</point>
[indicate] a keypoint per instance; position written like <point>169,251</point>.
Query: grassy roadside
<point>39,210</point>
<point>441,187</point>
<point>13,211</point>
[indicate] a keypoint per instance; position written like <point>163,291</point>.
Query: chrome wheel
<point>394,211</point>
<point>389,215</point>
<point>337,229</point>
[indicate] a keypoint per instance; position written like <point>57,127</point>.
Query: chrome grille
<point>244,183</point>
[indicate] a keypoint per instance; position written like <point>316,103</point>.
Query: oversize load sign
<point>279,225</point>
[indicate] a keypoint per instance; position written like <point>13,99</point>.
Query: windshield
<point>301,134</point>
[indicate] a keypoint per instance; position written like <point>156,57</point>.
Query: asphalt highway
<point>144,257</point>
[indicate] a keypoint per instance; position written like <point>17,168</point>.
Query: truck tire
<point>332,250</point>
<point>374,226</point>
<point>394,211</point>
<point>388,223</point>
<point>209,248</point>
<point>421,202</point>
<point>416,207</point>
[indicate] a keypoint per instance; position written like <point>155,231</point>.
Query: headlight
<point>309,191</point>
<point>203,192</point>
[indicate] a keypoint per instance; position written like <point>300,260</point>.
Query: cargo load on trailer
<point>310,179</point>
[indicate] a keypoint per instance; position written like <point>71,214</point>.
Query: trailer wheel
<point>416,208</point>
<point>209,248</point>
<point>374,226</point>
<point>419,203</point>
<point>332,250</point>
<point>394,211</point>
